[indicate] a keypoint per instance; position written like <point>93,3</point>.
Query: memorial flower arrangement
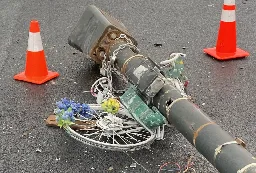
<point>68,110</point>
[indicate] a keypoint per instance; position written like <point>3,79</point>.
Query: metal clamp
<point>168,108</point>
<point>218,149</point>
<point>123,69</point>
<point>252,165</point>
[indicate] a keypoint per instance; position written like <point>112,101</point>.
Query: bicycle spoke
<point>113,132</point>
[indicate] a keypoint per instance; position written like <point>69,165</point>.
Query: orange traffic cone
<point>226,43</point>
<point>36,70</point>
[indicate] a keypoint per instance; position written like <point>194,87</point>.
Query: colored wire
<point>165,164</point>
<point>189,164</point>
<point>194,171</point>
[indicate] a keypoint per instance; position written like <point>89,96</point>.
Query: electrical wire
<point>165,164</point>
<point>194,171</point>
<point>188,166</point>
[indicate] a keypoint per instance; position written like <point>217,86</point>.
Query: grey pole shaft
<point>216,145</point>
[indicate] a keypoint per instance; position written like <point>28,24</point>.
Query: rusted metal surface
<point>240,142</point>
<point>196,133</point>
<point>95,32</point>
<point>101,48</point>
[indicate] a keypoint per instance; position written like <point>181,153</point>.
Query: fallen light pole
<point>103,38</point>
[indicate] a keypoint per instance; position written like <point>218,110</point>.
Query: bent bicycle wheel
<point>119,132</point>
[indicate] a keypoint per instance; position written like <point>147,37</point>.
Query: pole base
<point>36,80</point>
<point>226,56</point>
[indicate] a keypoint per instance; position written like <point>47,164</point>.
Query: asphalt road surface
<point>224,90</point>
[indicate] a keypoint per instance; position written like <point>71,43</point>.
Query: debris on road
<point>38,150</point>
<point>244,1</point>
<point>133,165</point>
<point>57,159</point>
<point>25,134</point>
<point>86,91</point>
<point>53,82</point>
<point>158,45</point>
<point>110,168</point>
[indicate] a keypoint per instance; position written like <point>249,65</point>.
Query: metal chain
<point>244,1</point>
<point>129,44</point>
<point>129,41</point>
<point>108,66</point>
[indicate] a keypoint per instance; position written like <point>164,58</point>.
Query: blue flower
<point>85,107</point>
<point>68,115</point>
<point>72,118</point>
<point>86,111</point>
<point>67,110</point>
<point>65,116</point>
<point>66,102</point>
<point>57,111</point>
<point>75,107</point>
<point>61,105</point>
